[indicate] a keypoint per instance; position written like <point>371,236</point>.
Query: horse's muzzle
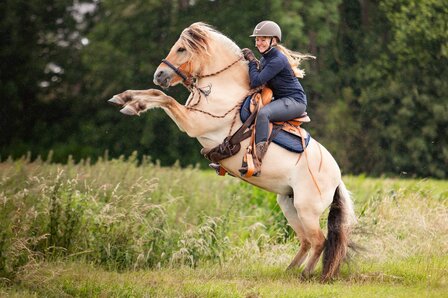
<point>162,78</point>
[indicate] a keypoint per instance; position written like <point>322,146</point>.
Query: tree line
<point>378,94</point>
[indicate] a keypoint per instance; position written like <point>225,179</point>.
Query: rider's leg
<point>282,109</point>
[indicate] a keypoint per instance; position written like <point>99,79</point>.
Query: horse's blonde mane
<point>196,39</point>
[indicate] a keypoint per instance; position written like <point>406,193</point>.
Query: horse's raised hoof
<point>127,110</point>
<point>116,101</point>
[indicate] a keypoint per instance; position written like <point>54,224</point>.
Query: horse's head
<point>186,57</point>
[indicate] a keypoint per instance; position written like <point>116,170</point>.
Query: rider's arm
<point>270,70</point>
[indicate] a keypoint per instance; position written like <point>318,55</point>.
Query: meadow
<point>128,228</point>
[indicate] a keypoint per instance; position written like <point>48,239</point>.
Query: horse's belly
<point>282,170</point>
<point>276,170</point>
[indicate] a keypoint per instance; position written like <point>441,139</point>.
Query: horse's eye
<point>180,50</point>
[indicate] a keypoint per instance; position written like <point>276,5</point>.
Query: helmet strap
<point>270,47</point>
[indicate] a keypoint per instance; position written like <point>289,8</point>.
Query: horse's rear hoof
<point>116,101</point>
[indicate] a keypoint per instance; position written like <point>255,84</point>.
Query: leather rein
<point>190,82</point>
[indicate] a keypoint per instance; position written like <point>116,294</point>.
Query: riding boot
<point>261,149</point>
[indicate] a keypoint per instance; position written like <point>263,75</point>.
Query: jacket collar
<point>270,53</point>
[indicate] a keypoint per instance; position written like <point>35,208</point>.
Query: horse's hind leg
<point>317,245</point>
<point>309,217</point>
<point>290,212</point>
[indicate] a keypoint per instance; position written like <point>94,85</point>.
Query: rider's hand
<point>248,54</point>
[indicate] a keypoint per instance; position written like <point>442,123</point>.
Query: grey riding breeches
<point>281,109</point>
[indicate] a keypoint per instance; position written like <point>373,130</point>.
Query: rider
<point>278,69</point>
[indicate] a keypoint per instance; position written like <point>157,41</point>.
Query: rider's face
<point>262,43</point>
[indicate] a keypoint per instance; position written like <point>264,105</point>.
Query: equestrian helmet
<point>268,28</point>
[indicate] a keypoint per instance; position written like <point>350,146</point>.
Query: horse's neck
<point>228,90</point>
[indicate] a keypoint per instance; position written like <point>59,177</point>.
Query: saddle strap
<point>231,145</point>
<point>251,151</point>
<point>308,162</point>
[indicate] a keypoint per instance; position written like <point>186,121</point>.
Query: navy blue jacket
<point>277,74</point>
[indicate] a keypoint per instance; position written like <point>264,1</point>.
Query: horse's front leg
<point>135,102</point>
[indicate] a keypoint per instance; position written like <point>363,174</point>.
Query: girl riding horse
<point>278,69</point>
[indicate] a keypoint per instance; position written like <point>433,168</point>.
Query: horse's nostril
<point>160,77</point>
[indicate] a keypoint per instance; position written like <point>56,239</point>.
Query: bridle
<point>189,80</point>
<point>175,69</point>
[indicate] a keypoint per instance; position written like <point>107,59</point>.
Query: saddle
<point>231,144</point>
<point>292,126</point>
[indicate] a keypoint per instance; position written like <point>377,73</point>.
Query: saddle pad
<point>283,138</point>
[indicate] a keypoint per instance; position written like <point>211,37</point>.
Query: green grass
<point>119,228</point>
<point>415,277</point>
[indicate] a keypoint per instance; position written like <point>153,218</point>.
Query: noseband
<point>175,69</point>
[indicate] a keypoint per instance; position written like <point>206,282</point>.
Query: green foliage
<point>69,229</point>
<point>400,91</point>
<point>377,88</point>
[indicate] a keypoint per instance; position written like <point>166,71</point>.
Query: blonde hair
<point>294,59</point>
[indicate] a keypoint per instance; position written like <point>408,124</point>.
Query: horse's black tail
<point>340,221</point>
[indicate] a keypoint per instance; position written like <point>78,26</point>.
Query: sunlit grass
<point>415,277</point>
<point>124,228</point>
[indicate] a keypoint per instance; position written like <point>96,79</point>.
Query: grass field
<point>120,228</point>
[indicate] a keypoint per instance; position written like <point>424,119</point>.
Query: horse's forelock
<point>198,38</point>
<point>195,38</point>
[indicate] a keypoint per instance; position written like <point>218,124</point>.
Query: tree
<point>41,43</point>
<point>377,88</point>
<point>404,94</point>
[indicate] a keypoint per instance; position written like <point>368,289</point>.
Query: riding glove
<point>248,54</point>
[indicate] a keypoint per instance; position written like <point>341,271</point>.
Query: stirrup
<point>243,172</point>
<point>218,169</point>
<point>250,167</point>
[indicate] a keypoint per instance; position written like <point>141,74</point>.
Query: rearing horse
<point>210,65</point>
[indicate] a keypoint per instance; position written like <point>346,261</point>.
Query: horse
<point>211,66</point>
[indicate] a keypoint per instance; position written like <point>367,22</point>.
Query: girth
<point>231,144</point>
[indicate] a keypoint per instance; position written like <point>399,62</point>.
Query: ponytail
<point>294,59</point>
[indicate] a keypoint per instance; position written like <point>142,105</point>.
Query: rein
<point>190,82</point>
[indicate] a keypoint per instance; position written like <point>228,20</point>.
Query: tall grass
<point>120,214</point>
<point>123,214</point>
<point>401,218</point>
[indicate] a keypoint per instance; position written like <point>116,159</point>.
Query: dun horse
<point>210,65</point>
